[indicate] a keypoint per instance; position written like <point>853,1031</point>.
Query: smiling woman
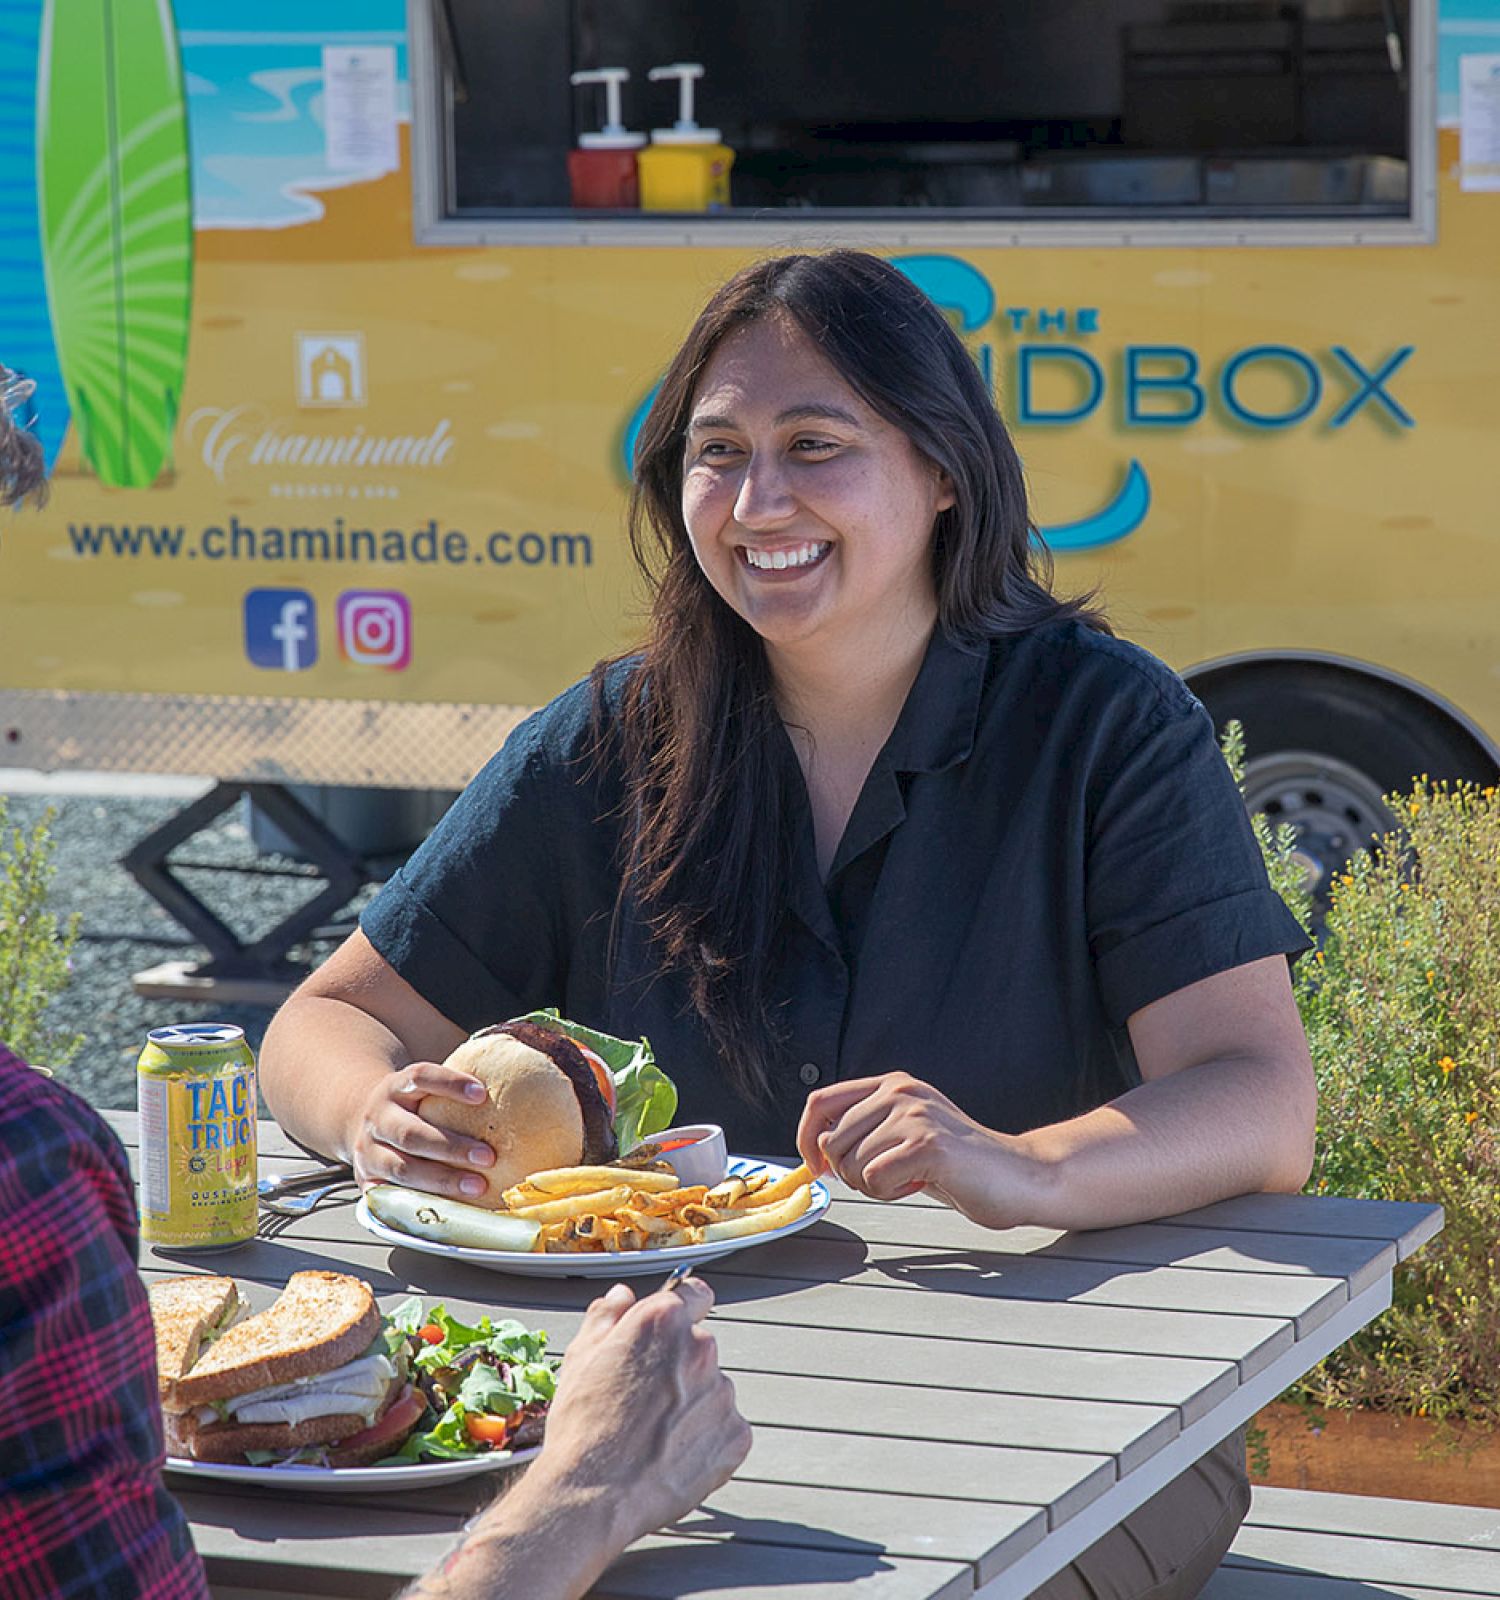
<point>871,814</point>
<point>812,520</point>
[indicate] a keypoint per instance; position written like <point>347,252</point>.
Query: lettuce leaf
<point>511,1341</point>
<point>645,1097</point>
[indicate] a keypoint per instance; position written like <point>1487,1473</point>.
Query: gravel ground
<point>124,931</point>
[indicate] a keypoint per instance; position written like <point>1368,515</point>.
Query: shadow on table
<point>774,1530</point>
<point>272,1261</point>
<point>996,1274</point>
<point>1273,1580</point>
<point>772,1552</point>
<point>735,1279</point>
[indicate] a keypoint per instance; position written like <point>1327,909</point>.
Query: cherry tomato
<point>431,1334</point>
<point>487,1429</point>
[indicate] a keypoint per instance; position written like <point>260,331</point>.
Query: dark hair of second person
<point>707,843</point>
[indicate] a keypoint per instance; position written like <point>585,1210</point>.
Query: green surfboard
<point>114,194</point>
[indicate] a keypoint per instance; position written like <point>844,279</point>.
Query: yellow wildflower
<point>1471,1116</point>
<point>1413,806</point>
<point>1446,1063</point>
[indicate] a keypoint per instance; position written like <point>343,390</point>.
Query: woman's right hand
<point>394,1143</point>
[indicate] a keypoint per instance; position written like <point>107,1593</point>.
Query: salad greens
<point>645,1097</point>
<point>490,1369</point>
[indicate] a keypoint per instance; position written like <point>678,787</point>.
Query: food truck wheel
<point>1334,809</point>
<point>1326,741</point>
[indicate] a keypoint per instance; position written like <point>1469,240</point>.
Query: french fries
<point>575,1205</point>
<point>761,1219</point>
<point>618,1210</point>
<point>582,1180</point>
<point>797,1178</point>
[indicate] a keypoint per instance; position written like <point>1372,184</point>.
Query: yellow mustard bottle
<point>685,167</point>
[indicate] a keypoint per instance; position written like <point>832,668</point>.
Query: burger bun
<point>531,1117</point>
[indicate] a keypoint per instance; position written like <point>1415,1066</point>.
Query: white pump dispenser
<point>685,130</point>
<point>614,135</point>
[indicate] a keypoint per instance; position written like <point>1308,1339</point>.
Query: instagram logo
<point>375,628</point>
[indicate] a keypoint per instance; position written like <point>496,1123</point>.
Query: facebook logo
<point>281,629</point>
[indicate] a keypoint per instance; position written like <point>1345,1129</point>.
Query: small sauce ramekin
<point>696,1153</point>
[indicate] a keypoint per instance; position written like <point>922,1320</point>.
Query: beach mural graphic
<point>125,125</point>
<point>114,203</point>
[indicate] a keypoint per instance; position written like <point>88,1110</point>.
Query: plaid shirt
<point>83,1511</point>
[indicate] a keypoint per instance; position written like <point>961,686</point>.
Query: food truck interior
<point>964,108</point>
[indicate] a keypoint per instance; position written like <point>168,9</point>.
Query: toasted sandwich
<point>188,1313</point>
<point>311,1374</point>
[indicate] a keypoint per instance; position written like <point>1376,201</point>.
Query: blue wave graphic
<point>26,342</point>
<point>953,285</point>
<point>1122,516</point>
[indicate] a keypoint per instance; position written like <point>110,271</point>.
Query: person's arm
<point>348,1058</point>
<point>644,1426</point>
<point>1227,1106</point>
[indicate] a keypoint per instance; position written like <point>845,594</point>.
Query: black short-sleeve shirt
<point>1049,841</point>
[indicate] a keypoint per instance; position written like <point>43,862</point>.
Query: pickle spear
<point>430,1216</point>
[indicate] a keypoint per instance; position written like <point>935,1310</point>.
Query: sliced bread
<point>318,1322</point>
<point>183,1311</point>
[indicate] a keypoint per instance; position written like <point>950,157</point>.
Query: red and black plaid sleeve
<point>83,1510</point>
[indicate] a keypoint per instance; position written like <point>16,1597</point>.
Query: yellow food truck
<point>341,316</point>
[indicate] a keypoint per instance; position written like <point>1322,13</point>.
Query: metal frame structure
<point>259,969</point>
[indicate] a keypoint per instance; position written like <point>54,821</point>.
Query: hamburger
<point>557,1095</point>
<point>313,1371</point>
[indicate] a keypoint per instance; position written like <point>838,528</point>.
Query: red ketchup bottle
<point>602,171</point>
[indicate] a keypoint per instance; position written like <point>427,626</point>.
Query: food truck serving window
<point>557,119</point>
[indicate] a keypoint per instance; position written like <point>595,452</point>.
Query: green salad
<point>487,1386</point>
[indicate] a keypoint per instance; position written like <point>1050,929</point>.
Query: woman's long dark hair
<point>707,836</point>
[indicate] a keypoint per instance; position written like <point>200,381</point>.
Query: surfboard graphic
<point>114,194</point>
<point>25,326</point>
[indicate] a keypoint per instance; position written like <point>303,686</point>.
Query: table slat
<point>1063,1481</point>
<point>913,1525</point>
<point>1362,1261</point>
<point>900,1412</point>
<point>992,1274</point>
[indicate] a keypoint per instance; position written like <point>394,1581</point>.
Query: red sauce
<point>676,1144</point>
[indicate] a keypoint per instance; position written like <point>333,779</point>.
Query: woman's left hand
<point>892,1135</point>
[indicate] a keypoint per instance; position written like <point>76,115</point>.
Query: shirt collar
<point>936,726</point>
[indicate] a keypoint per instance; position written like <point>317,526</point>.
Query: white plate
<point>420,1475</point>
<point>605,1264</point>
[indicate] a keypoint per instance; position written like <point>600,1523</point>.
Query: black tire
<point>1324,743</point>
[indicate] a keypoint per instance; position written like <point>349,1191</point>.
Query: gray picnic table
<point>939,1410</point>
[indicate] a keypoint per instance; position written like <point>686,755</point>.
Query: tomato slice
<point>389,1429</point>
<point>602,1075</point>
<point>485,1429</point>
<point>430,1334</point>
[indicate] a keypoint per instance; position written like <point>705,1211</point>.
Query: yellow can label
<point>198,1167</point>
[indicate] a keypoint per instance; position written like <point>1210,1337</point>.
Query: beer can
<point>195,1087</point>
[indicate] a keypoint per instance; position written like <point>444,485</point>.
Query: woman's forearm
<point>320,1060</point>
<point>1206,1133</point>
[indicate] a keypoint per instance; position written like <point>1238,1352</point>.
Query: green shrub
<point>1402,1010</point>
<point>34,946</point>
